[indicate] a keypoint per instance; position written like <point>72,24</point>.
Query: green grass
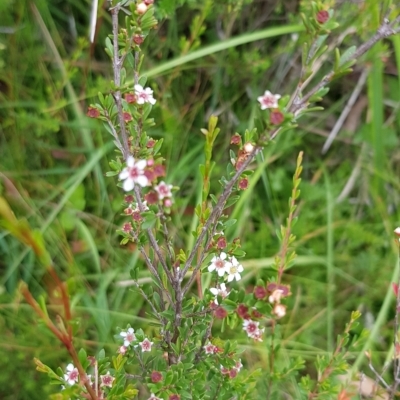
<point>53,161</point>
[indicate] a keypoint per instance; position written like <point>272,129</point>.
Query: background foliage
<point>202,60</point>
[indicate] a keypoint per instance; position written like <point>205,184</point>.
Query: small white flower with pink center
<point>221,291</point>
<point>133,173</point>
<point>224,370</point>
<point>269,100</point>
<point>144,204</point>
<point>209,348</point>
<point>238,365</point>
<point>163,190</point>
<point>250,326</point>
<point>258,335</point>
<point>128,336</point>
<point>71,375</point>
<point>122,350</point>
<point>144,95</point>
<point>154,397</point>
<point>219,264</point>
<point>146,345</point>
<point>107,380</point>
<point>234,270</point>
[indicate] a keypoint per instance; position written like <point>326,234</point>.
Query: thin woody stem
<point>117,65</point>
<point>215,214</point>
<point>385,30</point>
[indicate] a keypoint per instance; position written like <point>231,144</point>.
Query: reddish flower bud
<point>149,174</point>
<point>243,184</point>
<point>93,112</point>
<point>128,211</point>
<point>174,397</point>
<point>138,39</point>
<point>136,216</point>
<point>127,116</point>
<point>221,242</point>
<point>260,292</point>
<point>220,313</point>
<point>148,2</point>
<point>156,376</point>
<point>128,198</point>
<point>151,143</point>
<point>159,170</point>
<point>242,311</point>
<point>276,117</point>
<point>151,197</point>
<point>127,227</point>
<point>236,139</point>
<point>130,98</point>
<point>232,373</point>
<point>322,16</point>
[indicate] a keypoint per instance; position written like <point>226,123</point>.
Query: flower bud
<point>248,147</point>
<point>141,8</point>
<point>322,16</point>
<point>276,117</point>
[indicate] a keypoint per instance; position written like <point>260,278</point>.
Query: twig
<point>117,65</point>
<point>215,214</point>
<point>350,103</point>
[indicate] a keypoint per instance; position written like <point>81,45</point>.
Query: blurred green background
<point>201,60</point>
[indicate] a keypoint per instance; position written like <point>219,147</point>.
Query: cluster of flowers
<point>129,338</point>
<point>224,264</point>
<point>210,349</point>
<point>71,377</point>
<point>143,173</point>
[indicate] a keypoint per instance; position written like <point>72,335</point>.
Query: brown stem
<point>215,214</point>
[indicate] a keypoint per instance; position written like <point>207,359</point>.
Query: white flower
<point>209,348</point>
<point>269,100</point>
<point>146,345</point>
<point>219,264</point>
<point>257,335</point>
<point>153,397</point>
<point>144,95</point>
<point>275,296</point>
<point>397,231</point>
<point>252,329</point>
<point>238,365</point>
<point>71,375</point>
<point>279,310</point>
<point>234,269</point>
<point>163,190</point>
<point>221,291</point>
<point>133,173</point>
<point>107,380</point>
<point>128,336</point>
